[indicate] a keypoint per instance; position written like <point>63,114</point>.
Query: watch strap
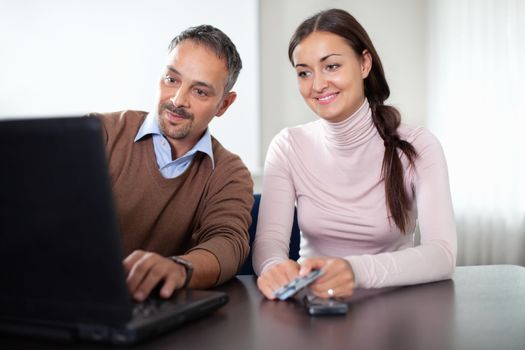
<point>188,266</point>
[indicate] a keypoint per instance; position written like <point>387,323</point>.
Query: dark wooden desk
<point>483,307</point>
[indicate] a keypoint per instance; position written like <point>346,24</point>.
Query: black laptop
<point>60,255</point>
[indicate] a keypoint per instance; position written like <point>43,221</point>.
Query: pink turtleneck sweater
<point>332,171</point>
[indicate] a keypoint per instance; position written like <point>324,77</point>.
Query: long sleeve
<point>224,216</point>
<point>207,207</point>
<point>276,209</point>
<point>435,258</point>
<point>332,172</point>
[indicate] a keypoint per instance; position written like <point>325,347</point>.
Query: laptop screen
<point>59,250</point>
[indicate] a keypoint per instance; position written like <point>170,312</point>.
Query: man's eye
<point>201,92</point>
<point>169,80</point>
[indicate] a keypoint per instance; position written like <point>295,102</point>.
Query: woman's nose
<point>319,83</point>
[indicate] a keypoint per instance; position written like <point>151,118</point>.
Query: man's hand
<point>146,270</point>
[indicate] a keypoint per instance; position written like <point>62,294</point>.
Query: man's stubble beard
<point>165,125</point>
<point>178,132</point>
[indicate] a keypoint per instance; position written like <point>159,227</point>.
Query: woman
<point>359,177</point>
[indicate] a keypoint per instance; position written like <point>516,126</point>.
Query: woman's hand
<point>277,276</point>
<point>337,280</point>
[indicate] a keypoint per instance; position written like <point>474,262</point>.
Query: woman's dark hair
<point>386,118</point>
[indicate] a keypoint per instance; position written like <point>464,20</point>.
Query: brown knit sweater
<point>204,208</point>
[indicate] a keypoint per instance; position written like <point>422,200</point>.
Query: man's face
<point>191,93</point>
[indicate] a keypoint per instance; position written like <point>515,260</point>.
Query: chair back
<point>247,268</point>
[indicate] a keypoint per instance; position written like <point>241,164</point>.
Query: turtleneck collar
<point>351,132</point>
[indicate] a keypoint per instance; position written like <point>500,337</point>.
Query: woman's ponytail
<point>386,120</point>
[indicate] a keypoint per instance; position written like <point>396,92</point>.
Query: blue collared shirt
<point>172,168</point>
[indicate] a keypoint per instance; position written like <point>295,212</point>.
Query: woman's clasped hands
<point>337,280</point>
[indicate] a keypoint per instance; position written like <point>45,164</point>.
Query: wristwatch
<point>188,266</point>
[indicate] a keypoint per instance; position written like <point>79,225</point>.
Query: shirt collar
<point>204,145</point>
<point>150,126</point>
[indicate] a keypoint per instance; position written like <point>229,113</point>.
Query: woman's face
<point>330,75</point>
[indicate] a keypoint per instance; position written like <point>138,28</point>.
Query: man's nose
<point>180,98</point>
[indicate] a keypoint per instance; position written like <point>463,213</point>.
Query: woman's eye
<point>331,67</point>
<point>303,74</point>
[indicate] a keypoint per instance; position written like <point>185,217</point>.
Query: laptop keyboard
<point>148,307</point>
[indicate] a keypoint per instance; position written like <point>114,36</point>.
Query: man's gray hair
<point>214,39</point>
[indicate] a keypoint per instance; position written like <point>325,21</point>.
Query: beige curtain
<point>477,109</point>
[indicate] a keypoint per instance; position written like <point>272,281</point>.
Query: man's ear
<point>226,102</point>
<point>366,63</point>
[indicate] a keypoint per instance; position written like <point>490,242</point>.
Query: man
<point>183,201</point>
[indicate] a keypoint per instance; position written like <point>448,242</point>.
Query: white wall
<point>60,56</point>
<point>73,57</point>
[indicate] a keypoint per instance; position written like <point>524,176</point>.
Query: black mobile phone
<point>318,306</point>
